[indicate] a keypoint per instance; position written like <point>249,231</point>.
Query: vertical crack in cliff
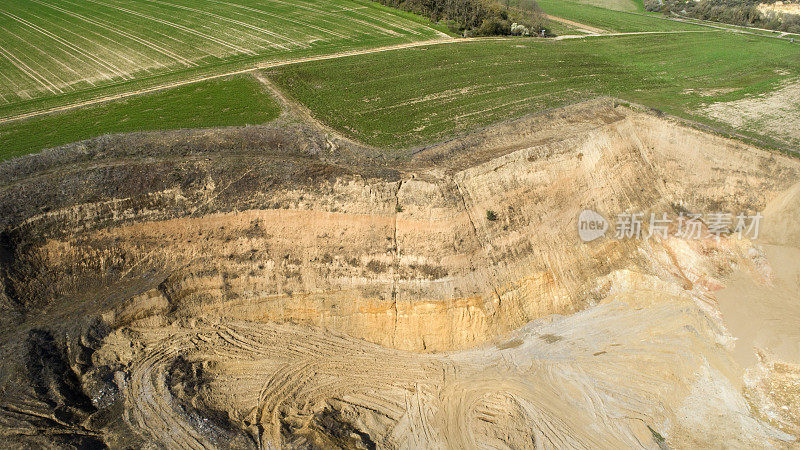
<point>466,211</point>
<point>396,260</point>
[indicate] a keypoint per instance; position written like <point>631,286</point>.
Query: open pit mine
<point>274,287</point>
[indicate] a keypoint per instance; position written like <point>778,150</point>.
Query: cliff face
<point>296,297</point>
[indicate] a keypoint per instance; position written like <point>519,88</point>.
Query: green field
<point>395,99</point>
<point>235,101</point>
<point>410,97</point>
<point>610,20</point>
<point>55,52</point>
<point>617,5</point>
<point>762,31</point>
<point>605,14</point>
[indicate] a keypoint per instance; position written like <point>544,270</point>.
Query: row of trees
<point>736,12</point>
<point>478,17</point>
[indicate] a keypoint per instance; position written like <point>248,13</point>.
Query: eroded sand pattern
<point>282,296</point>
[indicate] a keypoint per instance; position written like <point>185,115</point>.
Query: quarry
<point>275,286</point>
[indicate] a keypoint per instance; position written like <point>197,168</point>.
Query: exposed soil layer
<point>775,114</point>
<point>271,286</point>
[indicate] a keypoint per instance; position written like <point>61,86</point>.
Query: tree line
<point>478,17</point>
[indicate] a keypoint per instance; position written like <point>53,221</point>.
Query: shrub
<point>475,17</point>
<point>519,30</point>
<point>494,27</point>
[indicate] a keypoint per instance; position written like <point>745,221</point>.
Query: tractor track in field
<point>280,63</point>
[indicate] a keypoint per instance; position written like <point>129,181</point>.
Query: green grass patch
<point>753,30</point>
<point>616,5</point>
<point>610,20</point>
<point>411,97</point>
<point>234,101</point>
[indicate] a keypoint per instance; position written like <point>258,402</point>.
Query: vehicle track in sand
<point>279,381</point>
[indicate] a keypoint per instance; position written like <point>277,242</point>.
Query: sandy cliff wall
<point>407,261</point>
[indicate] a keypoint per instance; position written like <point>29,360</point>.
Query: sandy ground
<point>765,315</point>
<point>776,113</point>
